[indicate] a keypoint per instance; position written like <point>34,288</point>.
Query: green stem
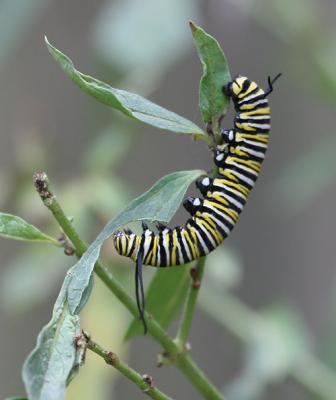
<point>144,382</point>
<point>188,367</point>
<point>41,182</point>
<point>216,129</point>
<point>190,305</point>
<point>183,361</point>
<point>315,376</point>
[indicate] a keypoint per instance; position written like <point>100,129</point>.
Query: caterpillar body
<point>238,157</point>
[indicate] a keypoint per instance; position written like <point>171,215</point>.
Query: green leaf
<point>86,294</point>
<point>159,203</point>
<point>161,301</point>
<point>130,104</point>
<point>47,368</point>
<point>14,227</point>
<point>212,102</point>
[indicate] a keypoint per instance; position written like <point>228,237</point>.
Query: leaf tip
<point>46,41</point>
<point>52,50</point>
<point>193,27</point>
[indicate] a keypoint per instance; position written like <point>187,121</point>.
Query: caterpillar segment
<point>238,157</point>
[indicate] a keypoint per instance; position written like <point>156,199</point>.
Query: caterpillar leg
<point>220,155</point>
<point>204,184</point>
<point>192,204</point>
<point>226,89</point>
<point>228,136</point>
<point>161,227</point>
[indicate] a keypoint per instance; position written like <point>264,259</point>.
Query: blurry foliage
<point>24,13</point>
<point>304,179</point>
<point>41,270</point>
<point>303,27</point>
<point>274,345</point>
<point>143,45</point>
<point>226,269</point>
<point>108,149</point>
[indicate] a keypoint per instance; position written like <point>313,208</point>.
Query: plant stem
<point>190,304</point>
<point>144,382</point>
<point>216,129</point>
<point>186,365</point>
<point>183,361</point>
<point>41,183</point>
<point>315,376</point>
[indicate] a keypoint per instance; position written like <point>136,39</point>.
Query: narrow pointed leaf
<point>158,204</point>
<point>48,367</point>
<point>164,298</point>
<point>212,102</point>
<point>130,104</point>
<point>14,227</point>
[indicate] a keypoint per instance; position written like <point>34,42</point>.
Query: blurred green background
<point>280,258</point>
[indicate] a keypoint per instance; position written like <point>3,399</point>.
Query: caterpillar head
<point>117,238</point>
<point>126,243</point>
<point>237,86</point>
<point>120,240</point>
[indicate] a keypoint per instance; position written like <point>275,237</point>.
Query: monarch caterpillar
<point>238,157</point>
